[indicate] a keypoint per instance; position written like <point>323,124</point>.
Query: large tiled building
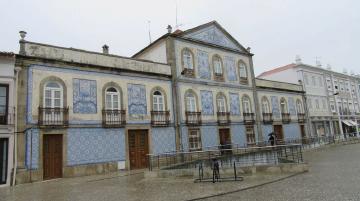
<point>82,112</point>
<point>216,99</point>
<point>331,97</point>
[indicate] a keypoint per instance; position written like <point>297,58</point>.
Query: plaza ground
<point>334,175</point>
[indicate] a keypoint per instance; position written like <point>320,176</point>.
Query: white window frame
<point>243,70</point>
<point>283,106</point>
<point>299,107</point>
<point>190,103</point>
<point>194,140</point>
<point>112,99</point>
<point>158,102</point>
<point>187,58</point>
<point>218,69</point>
<point>265,106</point>
<point>52,97</point>
<point>246,104</point>
<point>221,104</point>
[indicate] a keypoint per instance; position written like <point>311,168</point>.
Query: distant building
<point>328,93</point>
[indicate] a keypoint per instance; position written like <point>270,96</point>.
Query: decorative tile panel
<point>207,103</point>
<point>230,68</point>
<point>95,145</point>
<point>234,104</point>
<point>84,96</point>
<point>267,129</point>
<point>32,149</point>
<point>238,135</point>
<point>184,138</point>
<point>292,130</point>
<point>163,140</point>
<point>291,104</point>
<point>213,35</point>
<point>275,106</point>
<point>209,137</point>
<point>203,64</point>
<point>137,99</point>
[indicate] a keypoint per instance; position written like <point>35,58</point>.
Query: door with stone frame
<point>138,149</point>
<point>52,156</point>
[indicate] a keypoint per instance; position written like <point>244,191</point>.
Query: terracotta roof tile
<point>275,70</point>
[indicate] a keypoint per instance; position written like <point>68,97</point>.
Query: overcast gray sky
<point>276,30</point>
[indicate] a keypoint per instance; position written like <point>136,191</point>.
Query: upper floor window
<point>190,102</point>
<point>313,80</point>
<point>242,70</point>
<point>299,107</point>
<point>317,104</point>
<point>221,103</point>
<point>265,105</point>
<point>53,95</point>
<point>4,93</point>
<point>320,82</point>
<point>246,104</point>
<point>218,67</point>
<point>306,79</point>
<point>324,104</point>
<point>283,105</point>
<point>158,101</point>
<point>187,59</point>
<point>112,99</point>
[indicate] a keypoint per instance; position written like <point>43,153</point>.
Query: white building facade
<point>330,97</point>
<point>7,116</point>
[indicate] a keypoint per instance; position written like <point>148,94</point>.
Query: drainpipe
<point>17,70</point>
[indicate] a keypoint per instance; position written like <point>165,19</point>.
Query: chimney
<point>345,71</point>
<point>352,73</point>
<point>318,63</point>
<point>298,59</point>
<point>169,29</point>
<point>22,42</point>
<point>105,49</point>
<point>248,49</point>
<point>328,67</point>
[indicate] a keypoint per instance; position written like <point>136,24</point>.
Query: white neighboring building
<point>7,116</point>
<point>327,94</point>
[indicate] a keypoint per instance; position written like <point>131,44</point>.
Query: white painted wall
<point>156,53</point>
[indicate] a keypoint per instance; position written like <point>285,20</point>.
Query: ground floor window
<point>194,140</point>
<point>250,135</point>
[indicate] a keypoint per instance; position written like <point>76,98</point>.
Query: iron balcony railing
<point>188,72</point>
<point>160,118</point>
<point>113,118</point>
<point>267,118</point>
<point>193,118</point>
<point>249,118</point>
<point>223,118</point>
<point>285,118</point>
<point>301,118</point>
<point>53,116</point>
<point>7,115</point>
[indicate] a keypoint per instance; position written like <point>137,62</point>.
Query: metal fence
<point>288,150</point>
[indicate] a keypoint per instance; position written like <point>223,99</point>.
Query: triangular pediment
<point>213,34</point>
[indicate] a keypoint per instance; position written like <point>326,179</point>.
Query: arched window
<point>242,70</point>
<point>217,63</point>
<point>246,104</point>
<point>53,95</point>
<point>187,59</point>
<point>190,102</point>
<point>283,105</point>
<point>158,101</point>
<point>265,105</point>
<point>299,107</point>
<point>112,99</point>
<point>221,103</point>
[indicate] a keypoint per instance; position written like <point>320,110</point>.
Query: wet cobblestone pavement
<point>334,175</point>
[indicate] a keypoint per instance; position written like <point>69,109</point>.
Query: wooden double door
<point>4,149</point>
<point>279,134</point>
<point>225,140</point>
<point>138,148</point>
<point>52,156</point>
